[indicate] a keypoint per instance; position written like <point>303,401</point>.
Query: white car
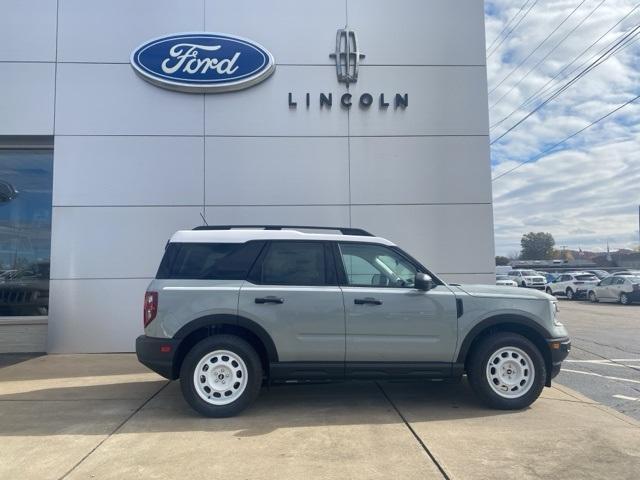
<point>627,273</point>
<point>623,289</point>
<point>572,285</point>
<point>528,278</point>
<point>505,281</point>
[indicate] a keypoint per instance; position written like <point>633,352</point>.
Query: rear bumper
<point>158,354</point>
<point>559,348</point>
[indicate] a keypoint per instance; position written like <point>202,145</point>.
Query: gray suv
<point>232,307</point>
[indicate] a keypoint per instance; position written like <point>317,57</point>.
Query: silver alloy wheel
<point>592,296</point>
<point>510,372</point>
<point>569,294</point>
<point>624,299</point>
<point>220,377</point>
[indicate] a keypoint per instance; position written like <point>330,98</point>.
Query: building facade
<point>107,165</point>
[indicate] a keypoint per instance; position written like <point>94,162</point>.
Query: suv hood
<point>534,277</point>
<point>496,291</point>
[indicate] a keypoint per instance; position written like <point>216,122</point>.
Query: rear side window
<point>292,263</point>
<point>586,278</point>
<point>209,261</point>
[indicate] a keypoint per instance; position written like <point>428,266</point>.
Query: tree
<point>500,260</point>
<point>537,246</point>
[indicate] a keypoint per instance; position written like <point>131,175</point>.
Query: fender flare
<point>495,321</point>
<point>234,320</point>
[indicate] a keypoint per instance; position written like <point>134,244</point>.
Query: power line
<point>566,86</point>
<point>548,150</point>
<point>549,53</point>
<point>512,30</point>
<point>508,24</point>
<point>587,60</point>
<point>536,49</point>
<point>544,89</point>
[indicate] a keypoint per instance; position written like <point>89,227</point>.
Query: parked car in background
<point>528,279</point>
<point>573,285</point>
<point>623,289</point>
<point>627,273</point>
<point>505,281</point>
<point>503,269</point>
<point>599,273</point>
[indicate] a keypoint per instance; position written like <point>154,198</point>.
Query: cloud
<point>587,191</point>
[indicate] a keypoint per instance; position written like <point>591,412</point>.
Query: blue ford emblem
<point>202,62</point>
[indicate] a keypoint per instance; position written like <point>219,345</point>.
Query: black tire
<point>624,299</point>
<point>569,293</point>
<point>477,370</point>
<point>233,344</point>
<point>523,284</point>
<point>549,291</point>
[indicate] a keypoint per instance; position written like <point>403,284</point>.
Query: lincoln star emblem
<point>347,56</point>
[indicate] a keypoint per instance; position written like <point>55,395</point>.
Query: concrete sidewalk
<point>105,416</point>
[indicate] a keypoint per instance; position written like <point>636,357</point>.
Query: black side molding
<point>459,307</point>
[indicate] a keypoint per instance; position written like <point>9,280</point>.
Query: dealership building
<point>117,128</point>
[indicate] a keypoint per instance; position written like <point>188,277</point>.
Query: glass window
<point>211,261</point>
<point>293,263</point>
<point>376,266</point>
<point>606,281</point>
<point>586,278</point>
<point>25,231</point>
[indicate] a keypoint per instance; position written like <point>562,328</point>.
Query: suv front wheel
<point>507,371</point>
<point>221,376</point>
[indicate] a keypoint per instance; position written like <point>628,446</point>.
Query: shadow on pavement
<point>57,411</point>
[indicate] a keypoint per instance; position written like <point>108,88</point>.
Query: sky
<point>585,192</point>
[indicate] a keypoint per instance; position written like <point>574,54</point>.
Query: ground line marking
<point>603,376</point>
<point>624,397</point>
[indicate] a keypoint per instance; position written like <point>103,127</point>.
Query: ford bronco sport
<point>234,306</point>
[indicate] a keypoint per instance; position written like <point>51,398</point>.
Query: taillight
<point>150,307</point>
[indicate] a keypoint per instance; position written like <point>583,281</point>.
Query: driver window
<point>376,266</point>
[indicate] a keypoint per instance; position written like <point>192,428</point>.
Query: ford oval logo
<point>202,62</point>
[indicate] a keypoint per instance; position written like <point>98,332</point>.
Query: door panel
<point>307,326</point>
<point>408,325</point>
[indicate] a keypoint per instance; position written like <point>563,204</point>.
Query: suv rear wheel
<point>221,376</point>
<point>507,371</point>
<point>569,294</point>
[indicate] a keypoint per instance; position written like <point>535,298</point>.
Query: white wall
<point>134,162</point>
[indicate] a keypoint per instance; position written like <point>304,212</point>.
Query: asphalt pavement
<point>604,363</point>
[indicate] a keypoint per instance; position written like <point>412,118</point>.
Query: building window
<point>26,177</point>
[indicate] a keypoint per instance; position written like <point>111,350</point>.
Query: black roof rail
<point>342,230</point>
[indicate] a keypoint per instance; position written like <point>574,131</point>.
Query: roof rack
<point>342,230</point>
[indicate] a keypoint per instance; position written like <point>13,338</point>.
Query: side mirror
<point>423,282</point>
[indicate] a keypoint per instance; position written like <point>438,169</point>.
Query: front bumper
<point>158,354</point>
<point>559,348</point>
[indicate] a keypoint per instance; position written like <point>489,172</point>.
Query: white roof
<point>243,235</point>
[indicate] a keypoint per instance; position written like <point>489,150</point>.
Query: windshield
<point>529,273</point>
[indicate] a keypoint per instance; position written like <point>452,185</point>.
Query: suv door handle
<point>367,301</point>
<point>269,299</point>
